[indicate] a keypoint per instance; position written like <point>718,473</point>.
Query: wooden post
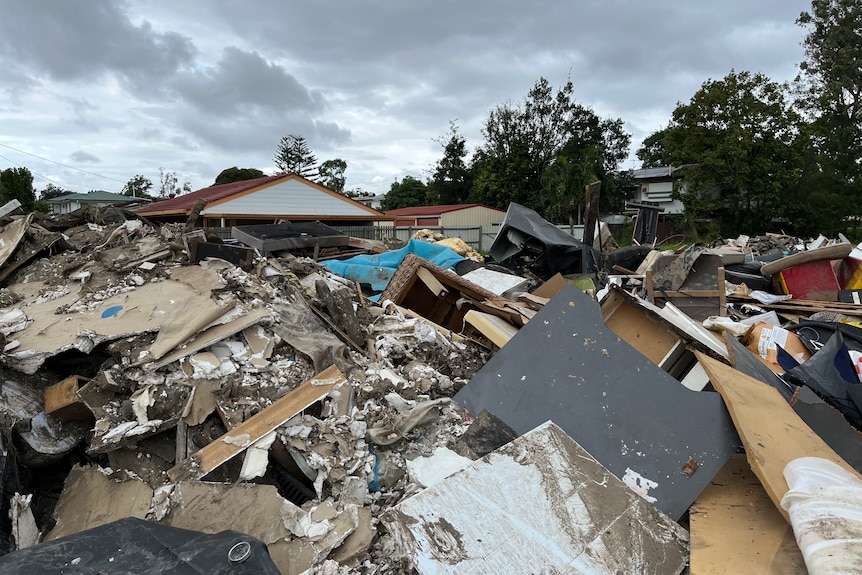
<point>592,215</point>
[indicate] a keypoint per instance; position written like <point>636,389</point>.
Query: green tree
<point>294,156</point>
<point>17,184</point>
<point>52,191</point>
<point>829,90</point>
<point>740,134</point>
<point>407,193</point>
<point>652,153</point>
<point>523,141</point>
<point>234,174</point>
<point>138,187</point>
<point>330,174</point>
<point>452,178</point>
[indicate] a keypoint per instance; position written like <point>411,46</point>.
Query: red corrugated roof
<point>187,201</point>
<point>436,210</point>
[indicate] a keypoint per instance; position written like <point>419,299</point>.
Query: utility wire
<point>38,174</point>
<point>61,164</point>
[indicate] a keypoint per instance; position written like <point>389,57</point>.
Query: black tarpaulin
<point>525,233</point>
<point>136,546</point>
<point>830,373</point>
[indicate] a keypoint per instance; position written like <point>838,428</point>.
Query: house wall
<point>659,192</point>
<point>65,207</point>
<point>474,216</point>
<point>291,197</point>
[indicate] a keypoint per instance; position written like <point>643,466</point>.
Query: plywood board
<point>773,435</point>
<point>242,436</point>
<point>562,512</point>
<point>649,337</point>
<point>566,365</point>
<point>734,518</point>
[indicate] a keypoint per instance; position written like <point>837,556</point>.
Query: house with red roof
<point>264,201</point>
<point>454,215</point>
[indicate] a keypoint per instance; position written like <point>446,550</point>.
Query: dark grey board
<point>567,366</point>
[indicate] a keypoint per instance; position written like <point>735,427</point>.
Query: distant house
<point>265,200</point>
<point>656,185</point>
<point>455,215</point>
<point>68,203</point>
<point>372,201</point>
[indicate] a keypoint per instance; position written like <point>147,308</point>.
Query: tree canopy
<point>542,152</point>
<point>138,187</point>
<point>739,136</point>
<point>293,156</point>
<point>829,91</point>
<point>17,184</point>
<point>331,174</point>
<point>234,174</point>
<point>407,193</point>
<point>452,178</point>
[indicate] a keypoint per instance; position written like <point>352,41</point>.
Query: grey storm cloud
<point>80,40</point>
<point>241,80</point>
<point>83,157</point>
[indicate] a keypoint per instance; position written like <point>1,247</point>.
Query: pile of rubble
<point>322,404</point>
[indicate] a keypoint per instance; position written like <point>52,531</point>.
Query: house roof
<point>186,202</point>
<point>645,173</point>
<point>437,210</point>
<point>94,196</point>
<point>225,194</point>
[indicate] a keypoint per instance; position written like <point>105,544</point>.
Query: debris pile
<point>297,401</point>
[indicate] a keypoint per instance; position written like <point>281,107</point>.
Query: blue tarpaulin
<point>375,271</point>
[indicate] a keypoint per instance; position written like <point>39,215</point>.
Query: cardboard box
<point>762,340</point>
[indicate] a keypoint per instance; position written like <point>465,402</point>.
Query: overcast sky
<point>117,88</point>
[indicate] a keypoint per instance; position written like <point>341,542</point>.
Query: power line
<point>61,164</point>
<point>37,173</point>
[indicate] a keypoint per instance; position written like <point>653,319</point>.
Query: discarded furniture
<point>432,292</point>
<point>289,236</point>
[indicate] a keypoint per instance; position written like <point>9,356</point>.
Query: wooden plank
<point>431,282</point>
<point>734,517</point>
<point>238,439</point>
<point>772,433</point>
<point>497,330</point>
<point>61,399</point>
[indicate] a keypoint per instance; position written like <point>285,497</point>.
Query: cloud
<point>242,80</point>
<point>84,40</point>
<point>83,157</point>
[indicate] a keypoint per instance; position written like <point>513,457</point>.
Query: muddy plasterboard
<point>90,499</point>
<point>540,504</point>
<point>141,310</point>
<point>568,366</point>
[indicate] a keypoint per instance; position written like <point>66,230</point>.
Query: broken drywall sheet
<point>58,325</point>
<point>540,504</point>
<point>90,499</point>
<point>568,366</point>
